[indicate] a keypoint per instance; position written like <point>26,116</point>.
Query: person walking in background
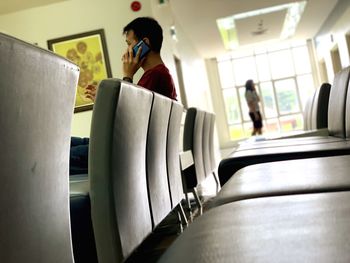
<point>253,100</point>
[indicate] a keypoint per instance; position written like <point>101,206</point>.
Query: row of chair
<point>294,210</point>
<point>198,141</point>
<point>134,169</point>
<point>135,177</point>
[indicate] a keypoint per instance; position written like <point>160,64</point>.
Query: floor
<point>167,232</point>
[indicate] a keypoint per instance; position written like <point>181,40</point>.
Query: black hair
<point>249,85</point>
<point>146,27</point>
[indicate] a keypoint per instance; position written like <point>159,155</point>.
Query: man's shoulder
<point>160,68</point>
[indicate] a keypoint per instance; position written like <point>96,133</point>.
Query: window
<point>244,69</point>
<point>232,106</point>
<point>281,63</point>
<point>268,98</point>
<point>244,105</point>
<point>301,60</point>
<point>283,79</point>
<point>287,96</point>
<point>226,77</point>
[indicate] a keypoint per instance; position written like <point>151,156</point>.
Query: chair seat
<point>285,178</point>
<point>298,228</point>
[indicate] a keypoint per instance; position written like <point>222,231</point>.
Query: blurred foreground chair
<point>37,92</point>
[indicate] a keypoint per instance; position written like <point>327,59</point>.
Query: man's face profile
<point>130,38</point>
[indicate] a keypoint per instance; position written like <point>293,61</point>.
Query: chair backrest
<point>319,115</point>
<point>211,143</point>
<point>307,112</point>
<point>337,104</point>
<point>193,140</point>
<point>37,92</point>
<point>172,153</point>
<point>347,114</point>
<point>206,144</point>
<point>117,169</point>
<point>157,179</point>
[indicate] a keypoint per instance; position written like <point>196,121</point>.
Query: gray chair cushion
<point>157,180</point>
<point>287,177</point>
<point>307,112</point>
<point>117,169</point>
<point>319,117</point>
<point>211,143</point>
<point>206,144</point>
<point>242,159</point>
<point>193,140</point>
<point>172,154</point>
<point>298,228</point>
<point>337,104</point>
<point>37,92</point>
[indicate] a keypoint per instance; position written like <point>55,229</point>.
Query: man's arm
<point>131,65</point>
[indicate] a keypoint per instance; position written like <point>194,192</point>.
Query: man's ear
<point>146,40</point>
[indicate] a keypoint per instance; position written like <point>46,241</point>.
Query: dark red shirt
<point>158,79</point>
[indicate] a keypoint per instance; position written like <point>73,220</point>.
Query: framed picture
<point>89,51</point>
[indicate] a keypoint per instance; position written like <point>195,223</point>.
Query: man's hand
<point>131,64</point>
<point>90,92</point>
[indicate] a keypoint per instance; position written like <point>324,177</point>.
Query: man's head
<point>147,29</point>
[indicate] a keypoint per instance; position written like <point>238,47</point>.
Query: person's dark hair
<point>249,85</point>
<point>146,27</point>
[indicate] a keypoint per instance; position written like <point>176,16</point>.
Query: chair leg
<point>217,182</point>
<point>182,214</point>
<point>188,202</point>
<point>198,201</point>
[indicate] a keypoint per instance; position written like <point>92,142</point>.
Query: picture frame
<point>89,51</point>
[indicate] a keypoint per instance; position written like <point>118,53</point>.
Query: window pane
<point>245,109</point>
<point>287,98</point>
<point>301,60</point>
<point>272,126</point>
<point>236,132</point>
<point>226,74</point>
<point>306,88</point>
<point>248,128</point>
<point>232,106</point>
<point>268,99</point>
<point>281,63</point>
<point>244,69</point>
<point>262,64</point>
<point>291,123</point>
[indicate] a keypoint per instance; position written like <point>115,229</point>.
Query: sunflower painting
<point>87,50</point>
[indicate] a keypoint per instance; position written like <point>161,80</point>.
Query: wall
<point>193,66</point>
<point>335,36</point>
<point>37,25</point>
<point>194,70</point>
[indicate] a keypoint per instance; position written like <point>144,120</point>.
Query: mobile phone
<point>145,49</point>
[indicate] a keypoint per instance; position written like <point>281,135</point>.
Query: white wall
<point>193,66</point>
<point>335,37</point>
<point>37,25</point>
<point>194,69</point>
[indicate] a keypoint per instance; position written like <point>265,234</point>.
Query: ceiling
<point>198,18</point>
